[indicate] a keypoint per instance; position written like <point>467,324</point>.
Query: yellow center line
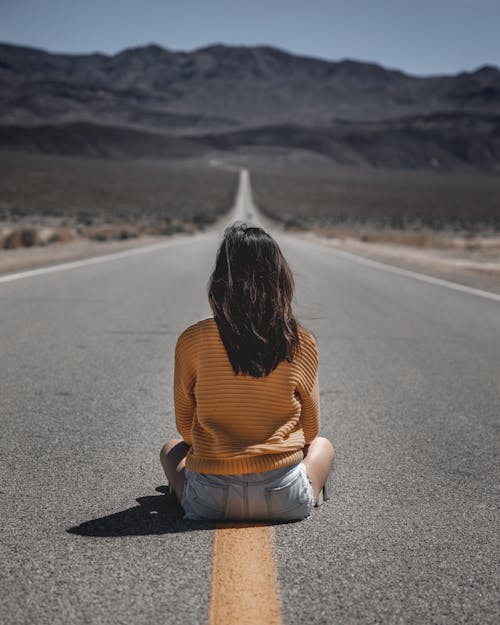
<point>245,586</point>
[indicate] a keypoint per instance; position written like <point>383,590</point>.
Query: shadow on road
<point>158,514</point>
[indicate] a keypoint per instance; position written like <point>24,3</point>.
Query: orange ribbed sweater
<point>237,423</point>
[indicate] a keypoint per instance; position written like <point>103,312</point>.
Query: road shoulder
<point>463,269</point>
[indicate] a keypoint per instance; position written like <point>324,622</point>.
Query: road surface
<point>410,397</point>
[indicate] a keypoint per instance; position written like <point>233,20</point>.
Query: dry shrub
<point>12,238</point>
<point>62,235</point>
<point>21,237</point>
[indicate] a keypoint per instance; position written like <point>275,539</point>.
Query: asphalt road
<point>410,397</point>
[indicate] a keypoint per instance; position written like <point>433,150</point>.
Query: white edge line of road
<point>361,260</point>
<point>94,260</point>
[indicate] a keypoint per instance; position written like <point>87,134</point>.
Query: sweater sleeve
<point>184,381</point>
<point>308,388</point>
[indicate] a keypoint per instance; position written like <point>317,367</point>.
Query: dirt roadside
<point>478,268</point>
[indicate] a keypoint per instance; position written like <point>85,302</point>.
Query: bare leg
<point>173,461</point>
<point>318,459</point>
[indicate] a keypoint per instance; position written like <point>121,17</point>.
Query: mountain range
<point>154,102</point>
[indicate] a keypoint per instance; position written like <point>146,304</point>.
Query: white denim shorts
<point>283,494</point>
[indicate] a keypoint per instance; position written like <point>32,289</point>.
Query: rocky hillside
<point>155,102</point>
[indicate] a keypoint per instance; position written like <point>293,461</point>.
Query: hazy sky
<point>418,36</point>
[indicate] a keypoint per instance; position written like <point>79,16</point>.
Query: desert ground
<point>445,224</point>
<point>102,198</point>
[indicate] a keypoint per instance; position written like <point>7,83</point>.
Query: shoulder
<point>307,339</point>
<point>308,358</point>
<point>308,354</point>
<point>196,330</point>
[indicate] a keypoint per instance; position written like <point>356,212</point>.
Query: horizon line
<point>250,46</point>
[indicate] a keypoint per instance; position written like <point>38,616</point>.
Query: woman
<point>246,394</point>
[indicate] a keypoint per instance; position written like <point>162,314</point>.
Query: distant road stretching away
<point>410,397</point>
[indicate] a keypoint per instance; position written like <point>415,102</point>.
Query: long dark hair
<point>250,292</point>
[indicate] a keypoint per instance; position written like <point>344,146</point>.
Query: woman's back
<point>246,394</point>
<point>239,424</point>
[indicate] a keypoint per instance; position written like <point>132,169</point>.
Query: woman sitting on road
<point>246,395</point>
